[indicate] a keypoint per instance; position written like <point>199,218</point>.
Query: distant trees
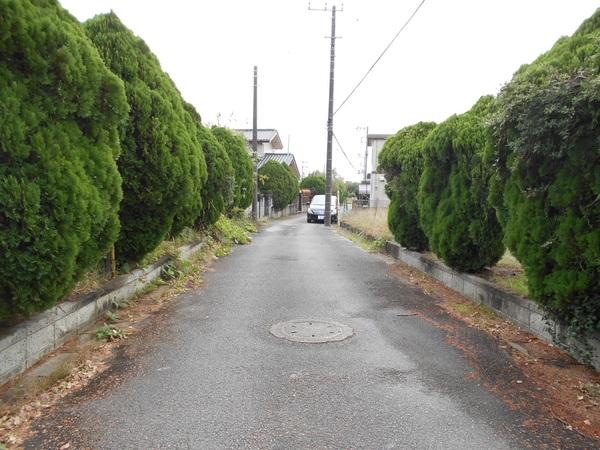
<point>160,150</point>
<point>314,181</point>
<point>60,190</point>
<point>278,180</point>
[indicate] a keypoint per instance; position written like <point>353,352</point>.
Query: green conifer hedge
<point>218,192</point>
<point>237,150</point>
<point>547,179</point>
<point>401,159</point>
<point>161,160</point>
<point>460,225</point>
<point>278,180</point>
<point>60,112</point>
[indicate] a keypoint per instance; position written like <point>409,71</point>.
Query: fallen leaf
<point>587,422</point>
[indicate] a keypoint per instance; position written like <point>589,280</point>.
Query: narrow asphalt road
<point>210,375</point>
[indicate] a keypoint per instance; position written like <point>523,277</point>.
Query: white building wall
<point>378,197</point>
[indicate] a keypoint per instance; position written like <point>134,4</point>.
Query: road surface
<point>210,375</point>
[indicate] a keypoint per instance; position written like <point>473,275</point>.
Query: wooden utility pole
<point>255,212</point>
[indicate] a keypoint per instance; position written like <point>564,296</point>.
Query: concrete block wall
<point>23,345</point>
<point>522,311</point>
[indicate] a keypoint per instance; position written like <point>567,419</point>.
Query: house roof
<point>263,135</point>
<point>285,158</point>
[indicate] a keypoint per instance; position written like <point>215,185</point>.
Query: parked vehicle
<point>316,210</point>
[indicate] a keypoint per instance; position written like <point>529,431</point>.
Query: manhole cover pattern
<point>311,331</point>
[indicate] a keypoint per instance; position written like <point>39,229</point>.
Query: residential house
<point>267,140</point>
<point>378,197</point>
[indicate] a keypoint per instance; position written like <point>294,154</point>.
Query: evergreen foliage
<point>547,182</point>
<point>460,225</point>
<point>315,182</point>
<point>401,159</point>
<point>61,109</point>
<point>237,150</point>
<point>278,180</point>
<point>218,192</point>
<point>161,162</point>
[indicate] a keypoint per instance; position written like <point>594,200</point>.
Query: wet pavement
<point>210,374</point>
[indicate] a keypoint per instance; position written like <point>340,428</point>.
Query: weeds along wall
<point>236,148</point>
<point>278,180</point>
<point>546,185</point>
<point>59,138</point>
<point>461,227</point>
<point>160,152</point>
<point>401,159</point>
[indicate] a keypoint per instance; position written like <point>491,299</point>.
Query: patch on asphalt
<point>311,331</point>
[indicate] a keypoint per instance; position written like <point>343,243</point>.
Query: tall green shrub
<point>460,225</point>
<point>315,182</point>
<point>278,180</point>
<point>547,180</point>
<point>60,109</point>
<point>218,192</point>
<point>161,162</point>
<point>237,150</point>
<point>401,159</point>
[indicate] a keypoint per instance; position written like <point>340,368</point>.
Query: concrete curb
<point>25,344</point>
<point>520,310</point>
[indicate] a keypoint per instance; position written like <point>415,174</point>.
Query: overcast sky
<point>451,53</point>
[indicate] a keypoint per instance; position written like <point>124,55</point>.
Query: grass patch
<point>516,283</point>
<point>370,245</point>
<point>372,221</point>
<point>110,333</point>
<point>167,247</point>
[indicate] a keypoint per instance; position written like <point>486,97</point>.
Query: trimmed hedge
<point>218,192</point>
<point>160,155</point>
<point>237,150</point>
<point>547,180</point>
<point>278,180</point>
<point>59,185</point>
<point>401,159</point>
<point>461,227</point>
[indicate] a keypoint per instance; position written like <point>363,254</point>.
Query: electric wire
<point>380,56</point>
<point>343,152</point>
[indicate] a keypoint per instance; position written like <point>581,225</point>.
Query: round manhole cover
<point>311,331</point>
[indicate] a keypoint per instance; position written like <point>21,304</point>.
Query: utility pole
<point>329,165</point>
<point>255,213</point>
<point>366,155</point>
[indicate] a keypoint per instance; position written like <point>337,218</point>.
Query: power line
<point>343,152</point>
<point>380,56</point>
